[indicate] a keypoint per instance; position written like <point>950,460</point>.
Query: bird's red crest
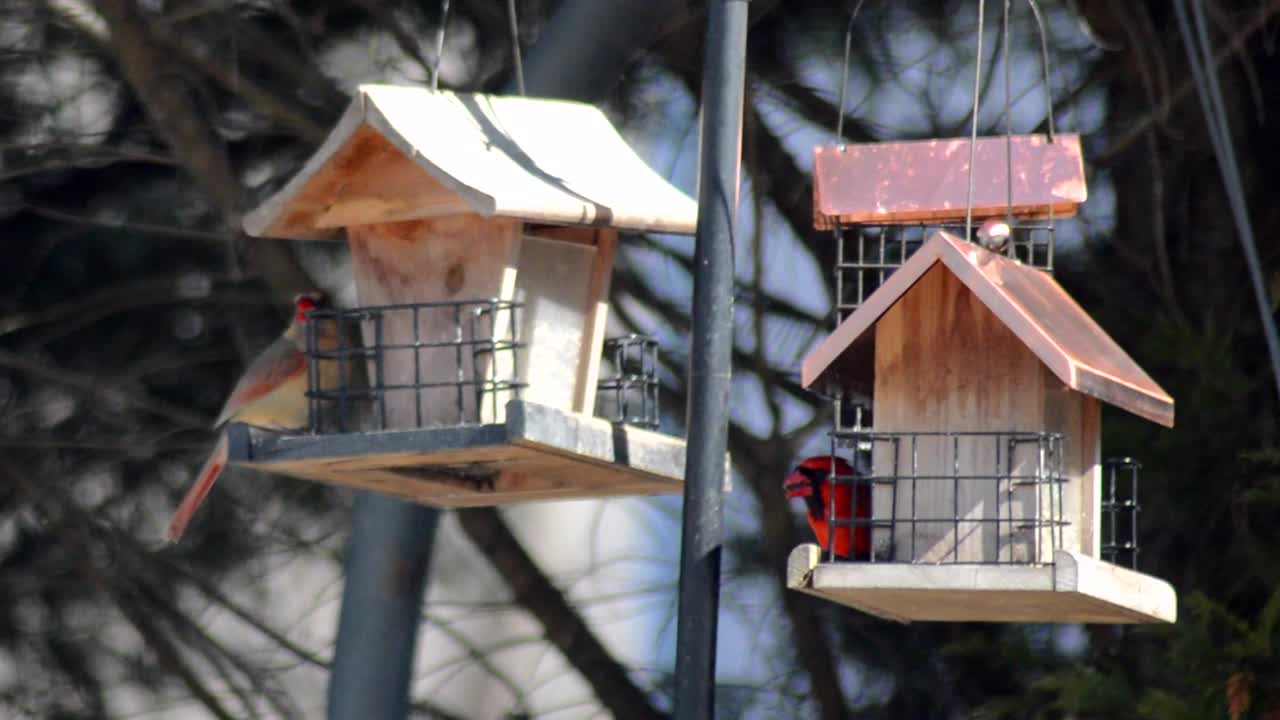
<point>813,471</point>
<point>304,304</point>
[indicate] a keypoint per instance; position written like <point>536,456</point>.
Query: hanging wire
<point>444,21</point>
<point>1215,116</point>
<point>973,134</point>
<point>515,45</point>
<point>1044,62</point>
<point>1008,129</point>
<point>837,229</point>
<point>844,74</point>
<point>1048,99</point>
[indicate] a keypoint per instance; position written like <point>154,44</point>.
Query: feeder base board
<point>538,453</point>
<point>1076,588</point>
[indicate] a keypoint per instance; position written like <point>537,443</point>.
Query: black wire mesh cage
<point>1120,511</point>
<point>866,255</point>
<point>461,365</point>
<point>628,394</point>
<point>989,498</point>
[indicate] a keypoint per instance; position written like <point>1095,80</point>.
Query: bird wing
<point>279,363</point>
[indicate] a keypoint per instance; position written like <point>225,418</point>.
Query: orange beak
<point>798,485</point>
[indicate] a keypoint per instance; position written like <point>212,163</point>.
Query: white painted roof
<point>400,153</point>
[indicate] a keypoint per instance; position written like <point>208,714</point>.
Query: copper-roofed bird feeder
<point>482,232</point>
<point>987,381</point>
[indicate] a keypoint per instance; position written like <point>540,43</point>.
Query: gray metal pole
<point>580,55</point>
<point>710,358</point>
<point>386,564</point>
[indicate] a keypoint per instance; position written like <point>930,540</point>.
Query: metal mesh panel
<point>866,255</point>
<point>629,394</point>
<point>474,346</point>
<point>952,498</point>
<point>1120,511</point>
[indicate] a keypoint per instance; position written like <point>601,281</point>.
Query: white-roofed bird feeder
<point>482,232</point>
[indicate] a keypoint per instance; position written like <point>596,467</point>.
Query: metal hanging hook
<point>844,75</point>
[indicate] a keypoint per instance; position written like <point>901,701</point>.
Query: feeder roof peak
<point>1028,301</point>
<point>402,153</point>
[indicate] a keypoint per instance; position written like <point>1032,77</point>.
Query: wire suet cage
<point>1120,511</point>
<point>629,394</point>
<point>866,255</point>
<point>476,340</point>
<point>991,498</point>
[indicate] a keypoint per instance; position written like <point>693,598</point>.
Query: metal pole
<point>710,358</point>
<point>386,566</point>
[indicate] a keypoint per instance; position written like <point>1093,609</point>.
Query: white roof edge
<point>539,160</point>
<point>256,221</point>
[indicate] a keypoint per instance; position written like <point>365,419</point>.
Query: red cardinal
<point>272,394</point>
<point>809,481</point>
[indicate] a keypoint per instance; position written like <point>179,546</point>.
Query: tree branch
<point>190,137</point>
<point>274,105</point>
<point>95,386</point>
<point>564,627</point>
<point>71,537</point>
<point>1180,93</point>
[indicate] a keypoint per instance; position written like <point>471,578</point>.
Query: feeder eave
<point>402,153</point>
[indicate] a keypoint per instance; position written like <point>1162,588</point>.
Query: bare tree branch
<point>564,627</point>
<point>275,105</point>
<point>169,105</point>
<point>95,386</point>
<point>407,42</point>
<point>1183,90</point>
<point>189,136</point>
<point>71,536</point>
<point>141,228</point>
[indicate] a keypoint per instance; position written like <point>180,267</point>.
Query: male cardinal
<point>272,394</point>
<point>994,234</point>
<point>809,481</point>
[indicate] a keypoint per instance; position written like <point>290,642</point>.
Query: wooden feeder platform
<point>1073,589</point>
<point>537,453</point>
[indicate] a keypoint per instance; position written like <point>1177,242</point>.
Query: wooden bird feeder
<point>482,232</point>
<point>987,381</point>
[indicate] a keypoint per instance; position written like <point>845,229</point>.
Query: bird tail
<point>204,483</point>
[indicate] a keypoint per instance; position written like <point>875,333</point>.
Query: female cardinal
<point>272,394</point>
<point>809,481</point>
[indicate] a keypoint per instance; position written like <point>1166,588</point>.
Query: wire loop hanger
<point>1007,51</point>
<point>513,23</point>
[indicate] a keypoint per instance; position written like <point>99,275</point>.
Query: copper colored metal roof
<point>1030,302</point>
<point>927,180</point>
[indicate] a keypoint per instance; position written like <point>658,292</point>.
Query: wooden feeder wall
<point>945,362</point>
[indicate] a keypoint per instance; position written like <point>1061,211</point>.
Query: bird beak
<point>798,485</point>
